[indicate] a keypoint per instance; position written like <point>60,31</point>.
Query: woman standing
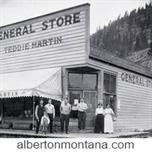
<point>99,121</point>
<point>108,122</point>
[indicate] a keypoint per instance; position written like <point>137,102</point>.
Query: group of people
<point>45,115</point>
<point>104,119</point>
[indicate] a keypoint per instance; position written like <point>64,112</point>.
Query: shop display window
<point>83,81</point>
<point>109,90</point>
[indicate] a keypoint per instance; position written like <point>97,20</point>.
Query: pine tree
<point>126,34</point>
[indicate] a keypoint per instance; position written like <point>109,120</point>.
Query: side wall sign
<point>135,79</point>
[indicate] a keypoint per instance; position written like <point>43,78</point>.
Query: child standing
<point>45,122</point>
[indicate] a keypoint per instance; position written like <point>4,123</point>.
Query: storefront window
<point>83,81</point>
<point>75,80</point>
<point>109,83</point>
<point>90,81</point>
<point>109,95</point>
<point>82,85</point>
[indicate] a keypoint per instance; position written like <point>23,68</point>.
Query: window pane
<point>106,100</point>
<point>109,99</point>
<point>109,83</point>
<point>109,96</point>
<point>113,84</point>
<point>75,80</point>
<point>90,81</point>
<point>106,82</point>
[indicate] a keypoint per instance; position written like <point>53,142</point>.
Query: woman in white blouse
<point>108,122</point>
<point>99,121</point>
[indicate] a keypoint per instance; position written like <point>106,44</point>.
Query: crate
<point>6,125</point>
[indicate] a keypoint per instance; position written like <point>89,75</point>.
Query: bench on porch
<point>28,124</point>
<point>6,125</point>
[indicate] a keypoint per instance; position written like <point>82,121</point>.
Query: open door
<point>74,95</point>
<point>90,98</point>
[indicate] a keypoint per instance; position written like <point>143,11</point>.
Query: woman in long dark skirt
<point>99,121</point>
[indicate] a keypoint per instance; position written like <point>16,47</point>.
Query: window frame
<point>82,87</point>
<point>108,93</point>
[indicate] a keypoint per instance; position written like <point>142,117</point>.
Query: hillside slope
<point>128,37</point>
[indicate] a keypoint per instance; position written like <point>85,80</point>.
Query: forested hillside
<point>126,35</point>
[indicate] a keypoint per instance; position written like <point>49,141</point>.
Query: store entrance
<point>74,94</point>
<point>83,83</point>
<point>90,98</point>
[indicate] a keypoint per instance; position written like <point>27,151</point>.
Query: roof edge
<point>119,62</point>
<point>66,9</point>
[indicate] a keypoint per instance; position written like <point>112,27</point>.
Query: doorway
<point>83,83</point>
<point>90,98</point>
<point>74,94</point>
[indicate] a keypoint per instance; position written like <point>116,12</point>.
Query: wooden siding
<point>134,109</point>
<point>72,50</point>
<point>135,105</point>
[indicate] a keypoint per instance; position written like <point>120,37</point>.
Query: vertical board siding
<point>71,50</point>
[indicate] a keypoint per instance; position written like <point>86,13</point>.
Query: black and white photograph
<point>75,69</point>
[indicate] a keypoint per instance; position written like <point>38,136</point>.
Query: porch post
<point>33,112</point>
<point>100,86</point>
<point>1,109</point>
<point>64,82</point>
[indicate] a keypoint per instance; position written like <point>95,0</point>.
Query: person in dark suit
<point>39,111</point>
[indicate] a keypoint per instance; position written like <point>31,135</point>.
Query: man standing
<point>82,108</point>
<point>39,111</point>
<point>50,110</point>
<point>65,110</point>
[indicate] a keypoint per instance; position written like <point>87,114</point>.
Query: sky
<point>101,11</point>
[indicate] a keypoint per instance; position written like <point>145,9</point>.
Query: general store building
<point>50,57</point>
